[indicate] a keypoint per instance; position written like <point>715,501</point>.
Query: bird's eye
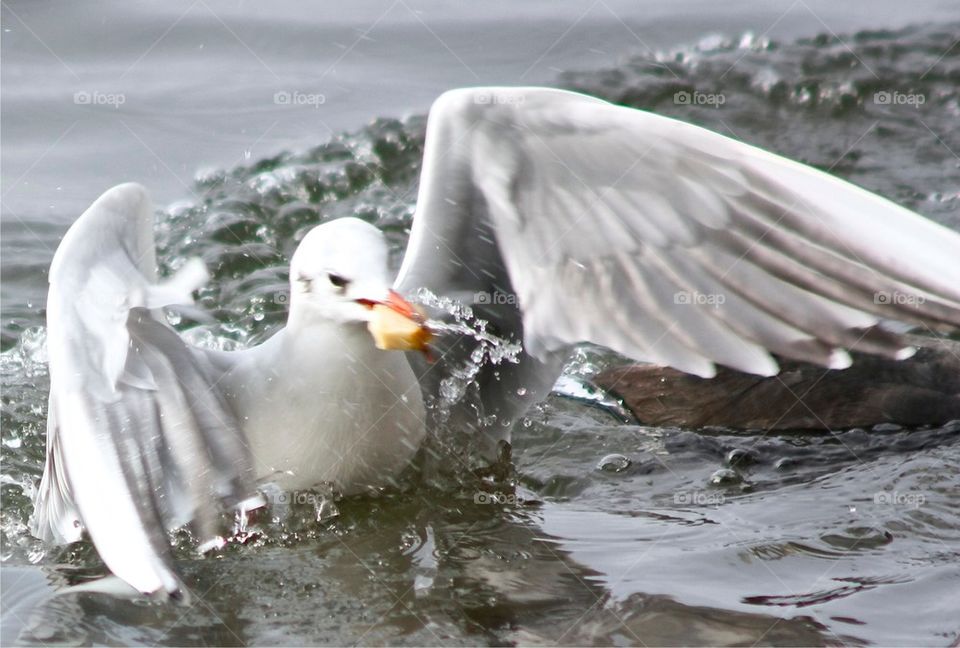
<point>338,281</point>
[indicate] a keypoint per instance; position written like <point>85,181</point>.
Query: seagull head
<point>339,274</point>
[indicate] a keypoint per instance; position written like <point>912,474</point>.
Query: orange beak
<point>405,308</point>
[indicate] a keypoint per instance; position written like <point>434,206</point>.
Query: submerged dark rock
<point>922,390</point>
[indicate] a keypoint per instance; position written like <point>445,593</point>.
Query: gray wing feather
<point>663,241</point>
<point>139,440</point>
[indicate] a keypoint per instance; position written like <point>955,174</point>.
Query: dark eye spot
<point>338,281</point>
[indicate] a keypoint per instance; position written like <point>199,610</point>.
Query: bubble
<point>614,463</point>
<point>725,477</point>
<point>739,457</point>
<point>786,463</point>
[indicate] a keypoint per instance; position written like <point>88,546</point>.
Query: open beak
<point>396,324</point>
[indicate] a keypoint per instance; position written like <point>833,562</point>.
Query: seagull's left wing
<point>138,438</point>
<point>579,220</point>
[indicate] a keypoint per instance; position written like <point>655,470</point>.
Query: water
<point>614,533</point>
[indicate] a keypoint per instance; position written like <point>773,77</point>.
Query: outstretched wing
<point>661,240</point>
<point>139,440</point>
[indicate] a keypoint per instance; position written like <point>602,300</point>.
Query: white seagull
<point>589,222</point>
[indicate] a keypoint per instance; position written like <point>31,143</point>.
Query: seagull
<point>557,217</point>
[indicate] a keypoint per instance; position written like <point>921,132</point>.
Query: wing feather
<point>139,440</point>
<point>664,241</point>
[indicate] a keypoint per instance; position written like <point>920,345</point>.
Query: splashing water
<point>491,349</point>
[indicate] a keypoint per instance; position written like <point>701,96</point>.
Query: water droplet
<point>786,463</point>
<point>326,510</point>
<point>739,457</point>
<point>450,390</point>
<point>522,391</point>
<point>614,463</point>
<point>725,477</point>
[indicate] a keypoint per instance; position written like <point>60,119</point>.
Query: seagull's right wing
<point>139,440</point>
<point>581,221</point>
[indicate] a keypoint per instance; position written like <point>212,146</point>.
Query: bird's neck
<point>305,315</point>
<point>307,335</point>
